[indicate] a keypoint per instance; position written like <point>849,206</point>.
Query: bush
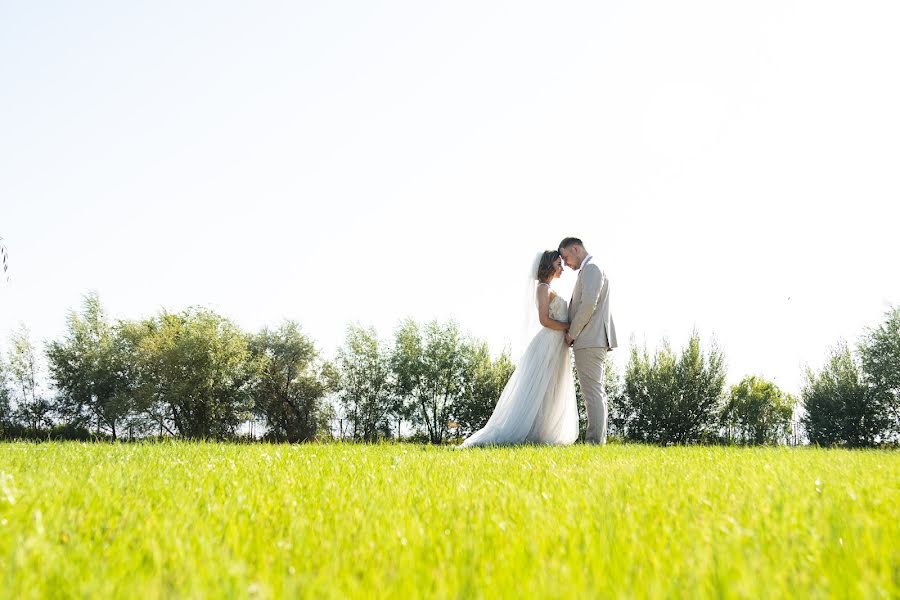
<point>758,412</point>
<point>15,432</point>
<point>880,351</point>
<point>841,408</point>
<point>672,399</point>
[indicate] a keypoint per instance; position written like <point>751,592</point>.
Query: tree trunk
<point>428,427</point>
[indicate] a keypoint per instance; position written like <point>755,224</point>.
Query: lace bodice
<point>559,309</point>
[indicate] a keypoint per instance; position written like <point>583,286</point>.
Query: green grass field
<point>219,520</point>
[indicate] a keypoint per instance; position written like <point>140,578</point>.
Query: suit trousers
<point>589,363</point>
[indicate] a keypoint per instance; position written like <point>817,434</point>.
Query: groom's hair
<point>569,242</point>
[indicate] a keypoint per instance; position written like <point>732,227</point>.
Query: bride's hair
<point>546,267</point>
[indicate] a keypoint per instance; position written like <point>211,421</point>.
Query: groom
<point>591,333</point>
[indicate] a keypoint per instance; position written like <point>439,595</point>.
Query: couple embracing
<point>538,403</point>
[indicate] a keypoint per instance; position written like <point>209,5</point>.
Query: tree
<point>880,351</point>
<point>406,369</point>
<point>288,391</point>
<point>88,368</point>
<point>841,409</point>
<point>429,367</point>
<point>5,406</point>
<point>364,383</point>
<point>484,381</point>
<point>670,398</point>
<point>31,408</point>
<point>758,412</point>
<point>193,372</point>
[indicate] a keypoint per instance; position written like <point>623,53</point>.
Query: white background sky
<point>733,166</point>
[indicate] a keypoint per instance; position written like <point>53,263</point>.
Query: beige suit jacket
<point>590,321</point>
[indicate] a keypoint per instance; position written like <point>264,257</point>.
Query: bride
<point>538,403</point>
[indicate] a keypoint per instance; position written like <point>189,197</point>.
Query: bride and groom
<point>538,403</point>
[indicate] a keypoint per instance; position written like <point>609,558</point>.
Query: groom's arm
<point>591,284</point>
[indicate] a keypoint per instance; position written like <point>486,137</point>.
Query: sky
<point>732,166</point>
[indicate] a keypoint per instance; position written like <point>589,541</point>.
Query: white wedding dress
<point>538,403</point>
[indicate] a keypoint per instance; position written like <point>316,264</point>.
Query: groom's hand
<point>569,340</point>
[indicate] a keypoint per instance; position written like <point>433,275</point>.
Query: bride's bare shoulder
<point>545,291</point>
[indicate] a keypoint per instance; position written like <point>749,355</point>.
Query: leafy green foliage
<point>30,406</point>
<point>429,365</point>
<point>758,412</point>
<point>6,415</point>
<point>484,381</point>
<point>841,408</point>
<point>192,372</point>
<point>288,390</point>
<point>880,351</point>
<point>89,369</point>
<point>365,383</point>
<point>672,398</point>
<point>195,374</point>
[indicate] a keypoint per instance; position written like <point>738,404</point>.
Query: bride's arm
<point>543,298</point>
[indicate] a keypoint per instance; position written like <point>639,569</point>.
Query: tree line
<point>195,374</point>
